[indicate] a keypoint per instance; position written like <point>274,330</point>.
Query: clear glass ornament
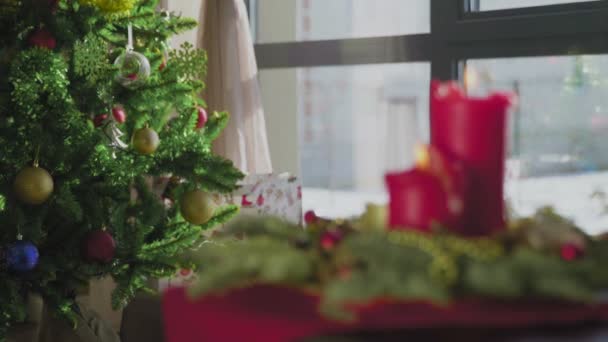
<point>134,69</point>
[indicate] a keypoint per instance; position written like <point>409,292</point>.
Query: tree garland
<point>111,6</point>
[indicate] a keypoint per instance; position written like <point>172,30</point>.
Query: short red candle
<point>473,130</point>
<point>417,200</point>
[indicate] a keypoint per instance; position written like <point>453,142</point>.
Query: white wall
<point>189,9</point>
<point>280,100</point>
<point>279,88</point>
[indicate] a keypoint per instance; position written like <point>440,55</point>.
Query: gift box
<point>277,195</point>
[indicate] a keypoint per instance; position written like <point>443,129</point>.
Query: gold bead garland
<point>445,249</point>
<point>482,249</point>
<point>443,267</point>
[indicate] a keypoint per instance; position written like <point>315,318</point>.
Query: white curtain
<point>232,84</point>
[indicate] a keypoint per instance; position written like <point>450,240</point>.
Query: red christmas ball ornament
<point>119,114</point>
<point>42,38</point>
<point>330,239</point>
<point>310,217</point>
<point>99,246</point>
<point>571,252</point>
<point>202,118</point>
<point>98,120</point>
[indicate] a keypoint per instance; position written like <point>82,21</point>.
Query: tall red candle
<point>473,130</point>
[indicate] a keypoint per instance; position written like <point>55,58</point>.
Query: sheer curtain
<point>232,84</point>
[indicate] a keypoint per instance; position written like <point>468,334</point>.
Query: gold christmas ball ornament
<point>145,140</point>
<point>33,185</point>
<point>197,207</point>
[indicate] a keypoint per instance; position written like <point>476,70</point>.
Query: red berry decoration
<point>310,217</point>
<point>119,114</point>
<point>331,239</point>
<point>98,120</point>
<point>99,246</point>
<point>202,118</point>
<point>571,252</point>
<point>185,272</point>
<point>42,38</point>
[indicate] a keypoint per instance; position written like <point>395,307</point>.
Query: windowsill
<point>569,194</point>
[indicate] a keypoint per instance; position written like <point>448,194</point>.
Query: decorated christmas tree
<point>96,111</point>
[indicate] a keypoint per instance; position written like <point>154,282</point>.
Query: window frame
<point>457,33</point>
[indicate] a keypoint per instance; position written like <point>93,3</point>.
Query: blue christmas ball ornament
<point>22,256</point>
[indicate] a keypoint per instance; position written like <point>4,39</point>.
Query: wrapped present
<point>277,195</point>
<point>271,194</point>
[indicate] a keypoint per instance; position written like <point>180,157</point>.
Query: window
<point>302,20</point>
<point>491,5</point>
<point>552,52</point>
<point>558,131</point>
<point>354,123</point>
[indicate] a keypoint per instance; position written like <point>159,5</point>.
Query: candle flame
<point>423,158</point>
<point>471,78</point>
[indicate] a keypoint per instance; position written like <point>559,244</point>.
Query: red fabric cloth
<point>277,314</point>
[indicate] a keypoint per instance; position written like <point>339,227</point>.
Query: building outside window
<point>356,104</point>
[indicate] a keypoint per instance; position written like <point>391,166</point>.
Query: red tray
<point>268,313</point>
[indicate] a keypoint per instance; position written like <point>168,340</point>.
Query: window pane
<point>490,5</point>
<point>559,132</point>
<point>299,20</point>
<point>348,125</point>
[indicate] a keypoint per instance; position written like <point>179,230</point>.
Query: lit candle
<point>473,130</point>
<point>417,200</point>
<point>430,194</point>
